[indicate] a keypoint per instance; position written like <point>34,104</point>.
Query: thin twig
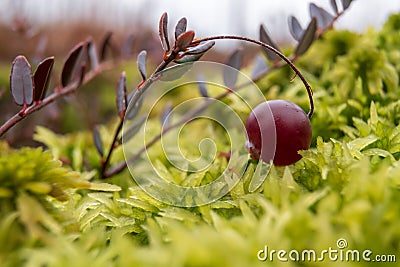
<point>143,86</point>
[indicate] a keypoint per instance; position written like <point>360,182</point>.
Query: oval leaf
<point>104,45</point>
<point>188,58</point>
<point>307,38</point>
<point>121,95</point>
<point>334,6</point>
<point>21,83</point>
<point>41,78</point>
<point>346,4</point>
<point>92,53</point>
<point>134,109</point>
<point>234,61</point>
<point>71,64</point>
<point>201,48</point>
<point>141,62</point>
<point>324,18</point>
<point>184,40</point>
<point>295,28</point>
<point>264,37</point>
<point>134,128</point>
<point>98,143</point>
<point>163,32</point>
<point>180,27</point>
<point>175,72</point>
<point>260,67</point>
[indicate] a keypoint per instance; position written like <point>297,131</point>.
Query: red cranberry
<point>276,131</point>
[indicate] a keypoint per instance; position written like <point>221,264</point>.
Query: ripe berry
<point>281,123</point>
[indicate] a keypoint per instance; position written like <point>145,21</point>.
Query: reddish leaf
<point>141,62</point>
<point>180,27</point>
<point>334,6</point>
<point>82,74</point>
<point>307,39</point>
<point>200,49</point>
<point>71,64</point>
<point>121,95</point>
<point>194,53</point>
<point>295,28</point>
<point>184,40</point>
<point>21,83</point>
<point>92,54</point>
<point>41,78</point>
<point>98,143</point>
<point>264,37</point>
<point>163,32</point>
<point>324,18</point>
<point>104,45</point>
<point>234,61</point>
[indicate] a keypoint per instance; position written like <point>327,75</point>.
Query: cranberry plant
<point>73,203</point>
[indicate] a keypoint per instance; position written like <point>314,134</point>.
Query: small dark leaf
<point>41,78</point>
<point>141,62</point>
<point>134,128</point>
<point>200,49</point>
<point>82,74</point>
<point>324,18</point>
<point>295,28</point>
<point>194,53</point>
<point>163,32</point>
<point>202,85</point>
<point>133,110</point>
<point>259,67</point>
<point>104,45</point>
<point>334,6</point>
<point>234,61</point>
<point>71,64</point>
<point>346,4</point>
<point>121,95</point>
<point>184,40</point>
<point>165,115</point>
<point>98,143</point>
<point>21,83</point>
<point>92,53</point>
<point>264,37</point>
<point>307,39</point>
<point>180,27</point>
<point>188,58</point>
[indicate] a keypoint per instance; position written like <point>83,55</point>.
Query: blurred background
<point>54,25</point>
<point>42,28</point>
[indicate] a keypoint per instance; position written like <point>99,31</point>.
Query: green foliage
<point>346,185</point>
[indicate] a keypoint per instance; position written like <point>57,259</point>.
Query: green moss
<point>345,187</point>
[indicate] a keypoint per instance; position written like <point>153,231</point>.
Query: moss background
<point>54,211</point>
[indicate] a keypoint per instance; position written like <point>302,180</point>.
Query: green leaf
<point>360,143</point>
